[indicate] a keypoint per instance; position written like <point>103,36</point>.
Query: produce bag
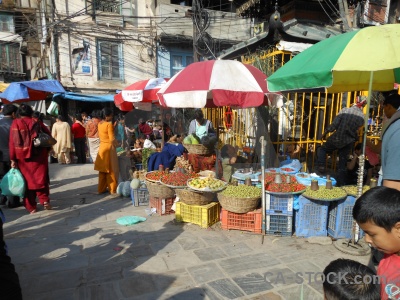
<point>126,189</point>
<point>53,109</point>
<point>292,163</point>
<point>130,220</point>
<point>13,183</point>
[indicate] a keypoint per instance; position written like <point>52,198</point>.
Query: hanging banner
<point>82,60</point>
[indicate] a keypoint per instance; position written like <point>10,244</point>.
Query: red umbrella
<point>140,91</point>
<point>216,83</point>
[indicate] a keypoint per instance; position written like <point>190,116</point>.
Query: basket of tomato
<point>285,188</point>
<point>177,180</point>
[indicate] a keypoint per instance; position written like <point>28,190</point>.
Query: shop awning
<point>84,97</point>
<point>31,90</point>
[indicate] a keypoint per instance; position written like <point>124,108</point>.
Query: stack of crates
<point>140,196</point>
<point>340,220</point>
<point>163,206</point>
<point>251,221</point>
<point>279,214</point>
<point>311,219</point>
<point>202,215</point>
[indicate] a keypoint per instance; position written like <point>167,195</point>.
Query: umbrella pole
<point>162,126</point>
<point>356,228</point>
<point>263,146</point>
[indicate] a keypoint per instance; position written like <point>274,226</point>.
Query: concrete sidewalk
<point>78,251</point>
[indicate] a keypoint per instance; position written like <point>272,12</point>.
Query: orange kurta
<point>107,160</point>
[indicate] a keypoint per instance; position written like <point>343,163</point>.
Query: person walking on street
<point>79,132</point>
<point>345,128</point>
<point>61,131</point>
<point>9,111</point>
<point>107,160</point>
<point>31,161</point>
<point>92,133</point>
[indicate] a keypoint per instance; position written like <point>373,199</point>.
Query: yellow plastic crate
<point>203,215</point>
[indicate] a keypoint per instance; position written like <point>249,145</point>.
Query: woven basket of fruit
<point>198,149</point>
<point>324,194</point>
<point>159,190</point>
<point>194,198</point>
<point>154,176</point>
<point>240,199</point>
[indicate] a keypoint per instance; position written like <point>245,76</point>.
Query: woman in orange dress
<point>107,160</point>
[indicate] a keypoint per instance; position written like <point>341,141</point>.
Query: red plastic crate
<point>162,205</point>
<point>251,221</point>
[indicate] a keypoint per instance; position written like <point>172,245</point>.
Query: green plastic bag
<point>13,184</point>
<point>130,220</point>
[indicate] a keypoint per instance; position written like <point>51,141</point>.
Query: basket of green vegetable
<point>240,199</point>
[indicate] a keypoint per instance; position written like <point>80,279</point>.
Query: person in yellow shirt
<point>107,161</point>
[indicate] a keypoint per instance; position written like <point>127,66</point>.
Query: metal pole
<point>356,228</point>
<point>194,16</point>
<point>263,147</point>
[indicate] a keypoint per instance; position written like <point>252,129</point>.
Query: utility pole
<point>195,13</point>
<point>344,14</point>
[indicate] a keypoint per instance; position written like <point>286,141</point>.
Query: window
<point>10,58</point>
<point>179,61</point>
<point>7,23</point>
<point>108,5</point>
<point>110,63</point>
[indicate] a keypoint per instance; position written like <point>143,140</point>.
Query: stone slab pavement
<point>77,251</point>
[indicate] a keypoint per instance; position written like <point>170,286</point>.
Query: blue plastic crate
<point>312,217</point>
<point>279,204</point>
<point>140,196</point>
<point>340,220</point>
<point>278,224</point>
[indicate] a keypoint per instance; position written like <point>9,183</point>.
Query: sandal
<point>33,211</point>
<point>47,206</point>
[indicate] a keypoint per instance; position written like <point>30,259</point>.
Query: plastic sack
<point>292,163</point>
<point>13,184</point>
<point>296,202</point>
<point>305,178</point>
<point>126,189</point>
<point>130,220</point>
<point>53,109</point>
<point>373,158</point>
<point>120,187</point>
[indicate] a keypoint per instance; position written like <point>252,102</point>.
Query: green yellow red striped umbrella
<point>366,59</point>
<point>348,62</point>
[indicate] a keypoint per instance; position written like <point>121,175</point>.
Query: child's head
<point>347,279</point>
<point>377,212</point>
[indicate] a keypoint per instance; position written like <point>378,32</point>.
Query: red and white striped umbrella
<point>140,91</point>
<point>215,83</point>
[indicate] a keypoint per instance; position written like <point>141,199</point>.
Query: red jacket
<point>22,133</point>
<point>78,130</point>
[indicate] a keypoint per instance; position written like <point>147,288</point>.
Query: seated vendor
<point>353,167</point>
<point>136,151</point>
<point>167,156</point>
<point>229,157</point>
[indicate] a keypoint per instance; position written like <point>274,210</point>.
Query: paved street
<point>78,251</point>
